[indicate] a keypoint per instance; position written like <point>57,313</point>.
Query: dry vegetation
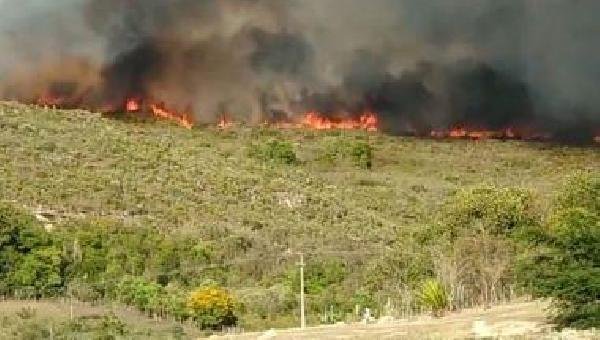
<point>355,202</point>
<point>43,319</point>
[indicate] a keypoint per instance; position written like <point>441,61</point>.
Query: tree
<point>212,307</point>
<point>474,243</point>
<point>565,264</point>
<point>39,270</point>
<point>29,258</point>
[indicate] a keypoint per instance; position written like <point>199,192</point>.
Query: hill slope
<point>251,210</point>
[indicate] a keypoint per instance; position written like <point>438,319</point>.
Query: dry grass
<point>51,314</point>
<point>204,182</point>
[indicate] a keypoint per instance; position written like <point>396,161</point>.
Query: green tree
<point>40,269</point>
<point>29,258</point>
<point>565,265</point>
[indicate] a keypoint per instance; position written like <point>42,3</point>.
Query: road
<point>518,319</point>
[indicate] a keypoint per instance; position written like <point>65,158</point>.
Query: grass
<point>203,181</point>
<point>250,210</point>
<point>21,319</point>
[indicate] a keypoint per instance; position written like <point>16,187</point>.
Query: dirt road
<point>525,320</point>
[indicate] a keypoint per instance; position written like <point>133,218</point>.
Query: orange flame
<point>159,110</point>
<point>475,134</point>
<point>183,119</point>
<point>132,105</point>
<point>367,121</point>
<point>224,122</point>
<point>48,99</point>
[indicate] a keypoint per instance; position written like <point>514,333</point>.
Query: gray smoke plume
<point>420,65</point>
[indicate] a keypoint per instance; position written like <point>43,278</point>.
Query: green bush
<point>359,153</point>
<point>146,296</point>
<point>362,155</point>
<point>319,276</point>
<point>275,151</point>
<point>500,211</point>
<point>565,265</point>
<point>475,237</point>
<point>29,259</point>
<point>434,297</point>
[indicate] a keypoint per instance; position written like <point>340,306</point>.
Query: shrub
<point>474,241</point>
<point>112,327</point>
<point>26,313</point>
<point>359,153</point>
<point>19,231</point>
<point>212,308</point>
<point>29,260</point>
<point>146,296</point>
<point>434,297</point>
<point>41,269</point>
<point>319,276</point>
<point>275,151</point>
<point>362,155</point>
<point>565,266</point>
<point>499,211</point>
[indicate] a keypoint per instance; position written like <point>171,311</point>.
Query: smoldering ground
<point>419,64</point>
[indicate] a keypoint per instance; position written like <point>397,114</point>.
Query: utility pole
<point>302,315</point>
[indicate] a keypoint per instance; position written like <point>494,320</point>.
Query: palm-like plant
<point>433,296</point>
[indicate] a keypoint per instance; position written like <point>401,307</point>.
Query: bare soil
<point>521,320</point>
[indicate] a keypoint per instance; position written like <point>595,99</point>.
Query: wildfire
<point>475,134</point>
<point>224,122</point>
<point>132,105</point>
<point>160,111</point>
<point>183,119</point>
<point>49,100</point>
<point>367,121</point>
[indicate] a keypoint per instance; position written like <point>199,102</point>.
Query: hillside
<point>77,163</point>
<point>254,196</point>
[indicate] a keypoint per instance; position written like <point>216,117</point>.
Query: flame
<point>132,105</point>
<point>460,132</point>
<point>48,99</point>
<point>183,119</point>
<point>367,121</point>
<point>513,133</point>
<point>160,111</point>
<point>224,122</point>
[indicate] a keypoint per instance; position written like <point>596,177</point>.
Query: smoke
<point>419,64</point>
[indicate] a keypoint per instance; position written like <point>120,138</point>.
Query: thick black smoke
<point>420,65</point>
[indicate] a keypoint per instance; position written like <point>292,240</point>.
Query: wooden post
<point>302,312</point>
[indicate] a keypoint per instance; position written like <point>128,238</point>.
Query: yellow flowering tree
<point>212,307</point>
